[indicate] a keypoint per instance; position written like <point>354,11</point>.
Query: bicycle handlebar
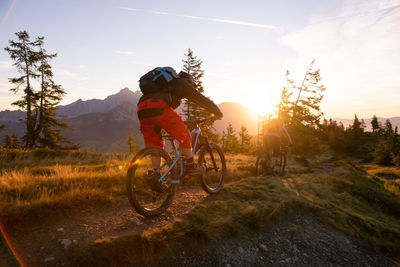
<point>200,121</point>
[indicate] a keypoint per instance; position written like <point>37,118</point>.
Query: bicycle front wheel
<point>147,195</point>
<point>280,165</point>
<point>212,159</point>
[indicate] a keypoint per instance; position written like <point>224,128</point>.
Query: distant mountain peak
<point>125,91</point>
<point>80,106</point>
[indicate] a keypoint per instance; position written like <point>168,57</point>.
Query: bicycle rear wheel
<point>263,163</point>
<point>146,194</point>
<point>213,178</point>
<point>280,165</point>
<point>260,165</point>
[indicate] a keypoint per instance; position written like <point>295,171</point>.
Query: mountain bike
<point>153,197</point>
<point>263,163</point>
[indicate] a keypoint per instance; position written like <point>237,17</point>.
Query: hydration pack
<point>157,80</point>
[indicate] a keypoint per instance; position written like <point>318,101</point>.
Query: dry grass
<point>54,184</point>
<point>44,183</point>
<point>390,176</point>
<point>19,159</point>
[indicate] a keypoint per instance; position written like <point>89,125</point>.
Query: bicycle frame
<point>178,158</point>
<point>197,132</point>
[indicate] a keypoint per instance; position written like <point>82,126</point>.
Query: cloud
<point>159,12</point>
<point>6,65</point>
<point>125,52</point>
<point>244,23</point>
<point>129,8</point>
<point>218,20</point>
<point>357,49</point>
<point>219,37</point>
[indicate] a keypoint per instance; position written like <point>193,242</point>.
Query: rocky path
<point>43,244</point>
<point>300,240</point>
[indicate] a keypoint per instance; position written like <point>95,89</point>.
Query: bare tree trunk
<point>28,140</point>
<point>301,90</point>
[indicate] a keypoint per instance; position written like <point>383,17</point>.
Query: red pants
<point>155,114</point>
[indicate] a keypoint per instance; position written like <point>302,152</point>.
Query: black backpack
<point>157,80</point>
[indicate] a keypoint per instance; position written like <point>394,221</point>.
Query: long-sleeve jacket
<point>179,89</point>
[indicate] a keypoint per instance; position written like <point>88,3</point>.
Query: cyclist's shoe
<point>192,169</point>
<point>152,179</point>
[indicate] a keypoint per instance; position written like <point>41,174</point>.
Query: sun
<point>261,101</point>
<point>261,108</point>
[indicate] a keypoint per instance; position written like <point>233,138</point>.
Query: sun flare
<point>262,107</point>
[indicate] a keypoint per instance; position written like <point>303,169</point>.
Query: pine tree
<point>192,65</point>
<point>306,108</point>
<point>25,57</point>
<point>285,105</point>
<point>357,128</point>
<point>244,139</point>
<point>304,122</point>
<point>15,141</point>
<point>231,141</point>
<point>355,137</point>
<point>384,152</point>
<point>49,128</point>
<point>334,134</point>
<point>32,61</point>
<point>374,124</point>
<point>8,142</point>
<point>396,147</point>
<point>133,148</point>
<point>223,140</point>
<point>192,111</point>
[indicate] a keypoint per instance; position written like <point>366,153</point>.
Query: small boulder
<point>66,243</point>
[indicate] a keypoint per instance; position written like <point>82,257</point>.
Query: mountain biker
<point>156,112</point>
<point>273,131</point>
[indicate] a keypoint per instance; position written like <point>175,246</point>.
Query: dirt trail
<point>300,240</point>
<point>45,243</point>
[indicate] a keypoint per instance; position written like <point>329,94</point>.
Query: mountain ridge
<point>80,106</point>
<point>103,124</point>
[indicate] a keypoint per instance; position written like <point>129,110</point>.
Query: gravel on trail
<point>300,240</point>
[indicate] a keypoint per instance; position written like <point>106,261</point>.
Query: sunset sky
<point>246,47</point>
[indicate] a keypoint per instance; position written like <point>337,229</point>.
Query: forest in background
<point>299,109</point>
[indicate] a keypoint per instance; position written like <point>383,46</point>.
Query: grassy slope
<point>43,182</point>
<point>345,197</point>
<point>356,200</point>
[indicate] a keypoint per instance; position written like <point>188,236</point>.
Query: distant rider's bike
<point>263,163</point>
<point>150,191</point>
